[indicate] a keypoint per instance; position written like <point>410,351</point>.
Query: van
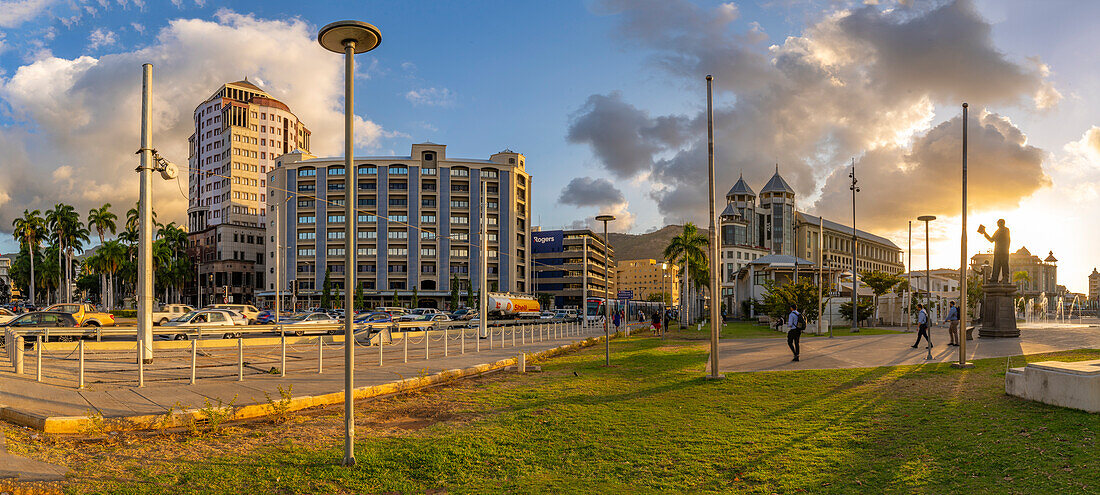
<point>249,311</point>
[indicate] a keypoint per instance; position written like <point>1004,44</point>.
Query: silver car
<point>300,323</point>
<point>203,319</point>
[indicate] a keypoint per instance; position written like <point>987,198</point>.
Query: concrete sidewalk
<point>112,396</point>
<point>741,355</point>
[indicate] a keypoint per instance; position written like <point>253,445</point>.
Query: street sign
<point>626,294</point>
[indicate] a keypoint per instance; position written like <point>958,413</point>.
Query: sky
<point>607,100</point>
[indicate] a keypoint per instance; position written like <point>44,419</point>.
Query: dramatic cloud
<point>924,179</point>
<point>588,191</point>
<point>624,137</point>
<point>78,119</point>
<point>432,97</point>
<point>16,12</point>
<point>854,82</point>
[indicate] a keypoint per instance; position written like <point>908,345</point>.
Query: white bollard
<point>240,359</point>
<point>282,345</point>
<point>320,353</point>
<point>141,364</point>
<point>446,337</point>
<point>522,362</point>
<point>194,354</point>
<point>379,346</point>
<point>38,354</point>
<point>405,340</point>
<point>80,345</point>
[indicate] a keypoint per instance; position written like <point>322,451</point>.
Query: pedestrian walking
<point>953,320</point>
<point>922,325</point>
<point>795,325</point>
<point>655,322</point>
<point>616,319</point>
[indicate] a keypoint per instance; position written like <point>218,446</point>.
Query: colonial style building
<point>1042,273</point>
<point>239,132</point>
<point>1094,286</point>
<point>417,223</point>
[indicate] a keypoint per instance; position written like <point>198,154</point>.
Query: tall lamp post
<point>349,38</point>
<point>664,305</point>
<point>963,282</point>
<point>909,283</point>
<point>606,288</point>
<point>855,244</point>
<point>927,257</point>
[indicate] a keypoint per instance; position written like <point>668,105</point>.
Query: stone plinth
<point>999,311</point>
<point>1075,385</point>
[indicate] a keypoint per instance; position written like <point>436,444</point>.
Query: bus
<point>595,310</point>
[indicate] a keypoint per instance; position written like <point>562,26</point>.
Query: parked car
<point>85,314</point>
<point>391,310</point>
<point>302,322</point>
<point>546,315</point>
<point>268,317</point>
<point>204,318</point>
<point>6,315</point>
<point>464,314</point>
<point>43,319</point>
<point>170,311</point>
<point>249,311</point>
<point>425,322</point>
<point>373,318</point>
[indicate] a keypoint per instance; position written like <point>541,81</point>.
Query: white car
<point>546,315</point>
<point>203,319</point>
<point>6,316</point>
<point>426,321</point>
<point>169,312</point>
<point>301,323</point>
<point>249,311</point>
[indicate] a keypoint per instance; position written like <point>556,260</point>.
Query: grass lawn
<point>649,423</point>
<point>750,330</point>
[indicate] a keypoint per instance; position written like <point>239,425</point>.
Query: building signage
<point>626,294</point>
<point>549,241</point>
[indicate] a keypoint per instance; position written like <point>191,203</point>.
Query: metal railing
<point>193,353</point>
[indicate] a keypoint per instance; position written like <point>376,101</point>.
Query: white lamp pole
<point>349,38</point>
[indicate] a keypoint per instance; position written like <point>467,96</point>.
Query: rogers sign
<point>549,241</point>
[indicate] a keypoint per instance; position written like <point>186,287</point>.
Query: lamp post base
<point>715,377</point>
<point>961,366</point>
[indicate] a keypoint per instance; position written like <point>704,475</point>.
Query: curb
<point>184,417</point>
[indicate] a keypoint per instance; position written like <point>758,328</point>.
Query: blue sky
<point>483,76</point>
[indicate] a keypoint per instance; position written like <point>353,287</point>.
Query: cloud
<point>100,38</point>
<point>433,97</point>
<point>140,28</point>
<point>588,191</point>
<point>853,82</point>
<point>624,137</point>
<point>600,193</point>
<point>16,12</point>
<point>81,115</point>
<point>925,178</point>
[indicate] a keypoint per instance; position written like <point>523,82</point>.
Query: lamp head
<point>926,218</point>
<point>366,36</point>
<point>605,218</point>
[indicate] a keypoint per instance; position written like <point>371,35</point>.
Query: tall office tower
<point>239,131</point>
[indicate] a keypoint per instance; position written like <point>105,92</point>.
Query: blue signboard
<point>548,241</point>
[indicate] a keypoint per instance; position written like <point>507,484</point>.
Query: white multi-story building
<point>239,132</point>
<point>416,224</point>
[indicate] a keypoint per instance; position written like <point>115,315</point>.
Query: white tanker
<point>501,305</point>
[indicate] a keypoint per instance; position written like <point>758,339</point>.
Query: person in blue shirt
<point>953,320</point>
<point>922,325</point>
<point>795,324</point>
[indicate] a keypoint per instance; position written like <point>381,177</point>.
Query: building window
<point>368,169</point>
<point>336,171</point>
<point>460,172</point>
<point>427,268</point>
<point>336,251</point>
<point>427,251</point>
<point>427,218</point>
<point>460,203</point>
<point>427,171</point>
<point>335,234</point>
<point>427,235</point>
<point>367,251</point>
<point>366,218</point>
<point>305,203</point>
<point>399,218</point>
<point>366,234</point>
<point>397,234</point>
<point>397,251</point>
<point>307,251</point>
<point>457,252</point>
<point>398,268</point>
<point>460,219</point>
<point>305,236</point>
<point>307,219</point>
<point>399,170</point>
<point>307,172</point>
<point>336,218</point>
<point>399,201</point>
<point>399,186</point>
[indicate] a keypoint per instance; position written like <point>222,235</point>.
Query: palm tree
<point>69,235</point>
<point>688,249</point>
<point>102,220</point>
<point>29,230</point>
<point>113,255</point>
<point>132,218</point>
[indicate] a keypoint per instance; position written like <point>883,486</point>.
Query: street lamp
<point>962,262</point>
<point>606,283</point>
<point>664,305</point>
<point>855,243</point>
<point>349,38</point>
<point>715,318</point>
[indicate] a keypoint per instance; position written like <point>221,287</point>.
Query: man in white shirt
<point>922,325</point>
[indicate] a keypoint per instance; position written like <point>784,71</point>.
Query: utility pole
<point>483,270</point>
<point>855,245</point>
<point>715,313</point>
<point>909,288</point>
<point>962,261</point>
<point>145,222</point>
<point>820,264</point>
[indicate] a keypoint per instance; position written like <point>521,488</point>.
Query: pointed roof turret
<point>1023,251</point>
<point>777,184</point>
<point>741,187</point>
<point>1051,258</point>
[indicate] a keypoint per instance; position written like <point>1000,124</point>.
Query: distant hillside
<point>645,246</point>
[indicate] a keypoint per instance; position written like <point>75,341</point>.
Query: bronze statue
<point>1000,240</point>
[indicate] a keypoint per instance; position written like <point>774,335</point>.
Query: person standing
<point>953,320</point>
<point>795,325</point>
<point>922,325</point>
<point>655,322</point>
<point>616,319</point>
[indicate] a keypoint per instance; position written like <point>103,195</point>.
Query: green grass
<point>750,330</point>
<point>651,423</point>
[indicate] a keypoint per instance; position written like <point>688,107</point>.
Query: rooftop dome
<point>740,187</point>
<point>1051,258</point>
<point>777,184</point>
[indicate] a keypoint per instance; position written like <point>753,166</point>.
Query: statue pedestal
<point>999,311</point>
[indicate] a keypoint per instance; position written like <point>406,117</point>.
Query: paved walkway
<point>112,391</point>
<point>23,469</point>
<point>740,355</point>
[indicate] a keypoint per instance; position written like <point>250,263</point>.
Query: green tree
<point>415,298</point>
<point>454,292</point>
<point>102,221</point>
<point>395,302</point>
<point>866,309</point>
<point>664,297</point>
<point>70,235</point>
<point>688,251</point>
<point>880,283</point>
<point>5,292</point>
<point>29,231</point>
<point>326,291</point>
<point>544,299</point>
<point>975,290</point>
<point>777,299</point>
<point>469,293</point>
<point>360,302</point>
<point>1021,279</point>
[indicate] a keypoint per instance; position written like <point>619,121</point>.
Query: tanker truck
<point>511,306</point>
